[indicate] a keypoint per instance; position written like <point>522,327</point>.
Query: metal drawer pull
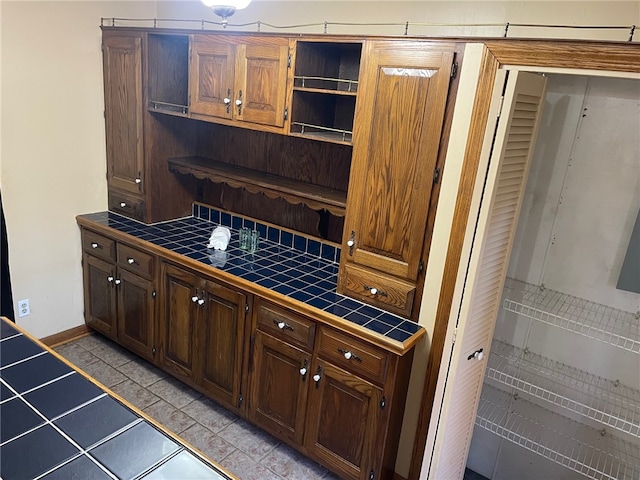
<point>131,261</point>
<point>194,299</point>
<point>375,291</point>
<point>138,181</point>
<point>349,355</point>
<point>96,245</point>
<point>478,355</point>
<point>282,325</point>
<point>122,204</point>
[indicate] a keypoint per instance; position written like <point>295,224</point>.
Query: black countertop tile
<point>62,395</point>
<point>16,349</point>
<point>34,372</point>
<point>80,468</point>
<point>16,417</point>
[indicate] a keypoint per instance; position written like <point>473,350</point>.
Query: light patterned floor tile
<point>176,393</point>
<point>292,465</point>
<point>209,414</point>
<point>245,468</point>
<point>210,444</point>
<point>76,354</point>
<point>169,416</point>
<point>105,374</point>
<point>252,441</point>
<point>135,394</point>
<point>142,372</point>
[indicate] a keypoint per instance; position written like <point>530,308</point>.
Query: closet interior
<point>561,393</point>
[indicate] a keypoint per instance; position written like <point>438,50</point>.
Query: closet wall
<point>579,209</point>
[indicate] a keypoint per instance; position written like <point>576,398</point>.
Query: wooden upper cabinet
<point>122,57</point>
<point>239,78</point>
<point>399,118</point>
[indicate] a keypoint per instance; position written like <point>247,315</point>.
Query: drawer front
<point>136,261</point>
<point>286,325</point>
<point>385,292</point>
<point>126,205</point>
<point>352,354</point>
<point>98,246</point>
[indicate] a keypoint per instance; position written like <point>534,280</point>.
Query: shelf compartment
<point>600,322</point>
<point>168,60</point>
<point>328,65</point>
<point>322,116</point>
<point>295,192</point>
<point>576,446</point>
<point>605,401</point>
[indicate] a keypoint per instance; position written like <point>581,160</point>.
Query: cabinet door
<point>279,387</point>
<point>261,81</point>
<point>399,117</point>
<point>178,321</point>
<point>219,342</point>
<point>122,57</point>
<point>211,78</point>
<point>136,302</point>
<point>342,423</point>
<point>99,295</point>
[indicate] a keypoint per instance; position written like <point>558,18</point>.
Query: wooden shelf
<point>293,191</point>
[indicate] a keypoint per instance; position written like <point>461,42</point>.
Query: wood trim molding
<point>577,55</point>
<point>66,336</point>
<point>473,151</point>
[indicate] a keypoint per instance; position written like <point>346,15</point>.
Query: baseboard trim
<point>66,336</point>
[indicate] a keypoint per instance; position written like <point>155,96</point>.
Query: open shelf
<point>168,73</point>
<point>315,197</point>
<point>606,401</point>
<point>600,322</point>
<point>576,446</point>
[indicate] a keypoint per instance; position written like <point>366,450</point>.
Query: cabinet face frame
<point>531,55</point>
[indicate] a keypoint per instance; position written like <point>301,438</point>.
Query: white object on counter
<point>219,238</point>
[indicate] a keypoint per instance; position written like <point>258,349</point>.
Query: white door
<point>481,275</point>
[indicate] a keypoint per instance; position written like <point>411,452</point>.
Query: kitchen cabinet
<point>241,79</point>
<point>281,370</point>
<point>119,292</point>
<point>122,64</point>
<point>202,333</point>
<point>398,124</point>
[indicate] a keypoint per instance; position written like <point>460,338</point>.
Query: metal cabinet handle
<point>282,325</point>
<point>123,204</point>
<point>349,355</point>
<point>239,102</point>
<point>375,291</point>
<point>351,242</point>
<point>96,245</point>
<point>318,376</point>
<point>138,181</point>
<point>118,281</point>
<point>201,301</point>
<point>227,100</point>
<point>131,261</point>
<point>303,370</point>
<point>110,279</point>
<point>478,355</point>
<point>194,299</point>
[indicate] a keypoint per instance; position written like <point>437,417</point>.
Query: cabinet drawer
<point>382,291</point>
<point>126,205</point>
<point>286,325</point>
<point>98,246</point>
<point>135,261</point>
<point>354,355</point>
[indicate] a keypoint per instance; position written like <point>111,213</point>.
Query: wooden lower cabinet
<point>342,423</point>
<point>202,334</point>
<point>119,303</point>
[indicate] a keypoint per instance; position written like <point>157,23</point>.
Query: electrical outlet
<point>23,308</point>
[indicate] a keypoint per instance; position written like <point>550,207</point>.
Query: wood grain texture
<point>66,336</point>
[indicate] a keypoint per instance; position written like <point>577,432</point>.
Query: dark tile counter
<point>56,424</point>
<point>293,265</point>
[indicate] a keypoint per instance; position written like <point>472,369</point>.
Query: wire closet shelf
<point>503,29</point>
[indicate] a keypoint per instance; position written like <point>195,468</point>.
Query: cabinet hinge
<point>500,107</point>
<point>372,475</point>
<point>421,266</point>
<point>383,403</point>
<point>153,294</point>
<point>436,175</point>
<point>240,400</point>
<point>246,307</point>
<point>289,60</point>
<point>454,69</point>
<point>286,112</point>
<point>153,351</point>
<point>455,334</point>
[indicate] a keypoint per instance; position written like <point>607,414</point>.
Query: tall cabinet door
<point>219,342</point>
<point>399,115</point>
<point>261,79</point>
<point>211,77</point>
<point>481,276</point>
<point>122,57</point>
<point>178,321</point>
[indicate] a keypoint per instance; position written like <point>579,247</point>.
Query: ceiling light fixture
<point>226,8</point>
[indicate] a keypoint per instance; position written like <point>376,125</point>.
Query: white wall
<point>52,155</point>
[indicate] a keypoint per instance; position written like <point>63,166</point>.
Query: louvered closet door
<point>485,270</point>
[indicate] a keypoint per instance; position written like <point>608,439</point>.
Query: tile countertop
<point>58,424</point>
<point>296,266</point>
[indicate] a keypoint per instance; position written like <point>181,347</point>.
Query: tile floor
<point>245,450</point>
